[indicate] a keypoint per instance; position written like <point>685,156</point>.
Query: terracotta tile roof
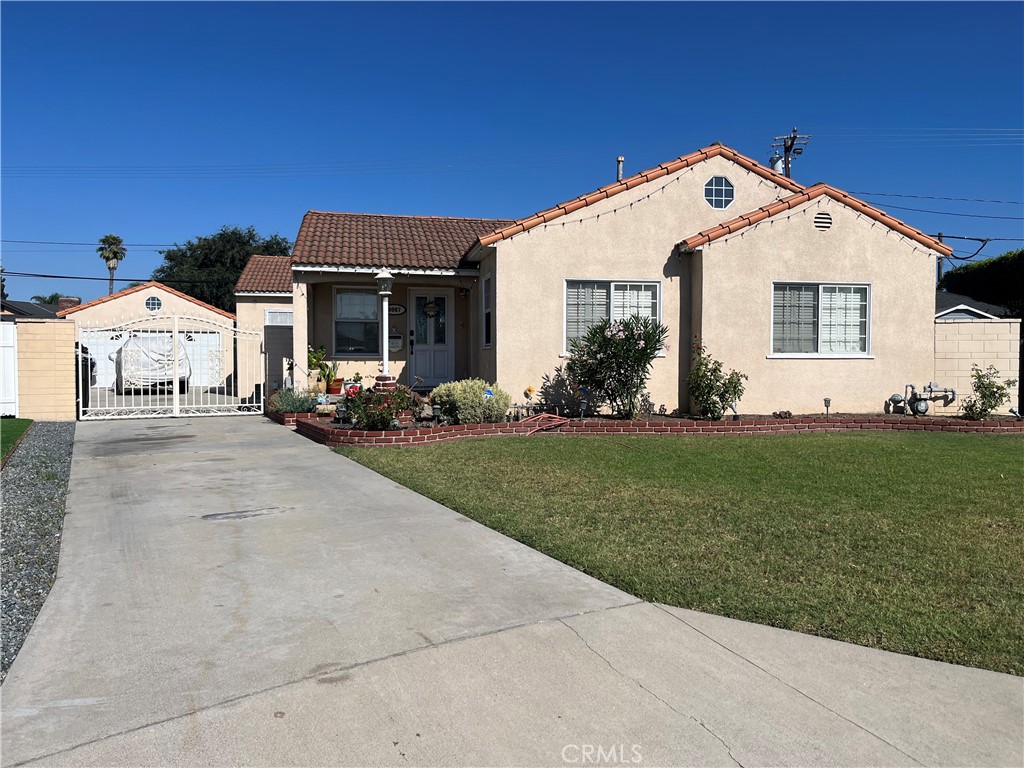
<point>266,274</point>
<point>715,150</point>
<point>371,240</point>
<point>144,286</point>
<point>806,195</point>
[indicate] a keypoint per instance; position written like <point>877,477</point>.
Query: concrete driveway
<point>232,594</point>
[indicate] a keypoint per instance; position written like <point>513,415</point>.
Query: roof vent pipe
<point>618,172</point>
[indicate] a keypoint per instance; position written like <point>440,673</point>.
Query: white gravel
<point>33,487</point>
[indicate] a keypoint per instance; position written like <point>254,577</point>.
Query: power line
<point>121,279</point>
<point>127,245</point>
<point>936,197</point>
<point>951,213</point>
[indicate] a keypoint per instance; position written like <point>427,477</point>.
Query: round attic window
<point>822,221</point>
<point>719,192</point>
<point>153,303</point>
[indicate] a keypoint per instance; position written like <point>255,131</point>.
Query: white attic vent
<point>822,221</point>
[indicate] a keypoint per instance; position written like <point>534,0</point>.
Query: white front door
<point>431,352</point>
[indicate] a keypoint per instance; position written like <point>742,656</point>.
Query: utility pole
<point>792,146</point>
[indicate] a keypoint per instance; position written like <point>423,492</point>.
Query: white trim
<point>261,294</point>
<point>959,307</point>
<point>393,270</point>
<point>611,284</point>
<point>865,355</point>
<point>335,354</point>
<point>815,356</point>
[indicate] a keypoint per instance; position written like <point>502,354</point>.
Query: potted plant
<point>315,360</point>
<point>329,373</point>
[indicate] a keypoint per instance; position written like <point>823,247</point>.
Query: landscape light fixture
<point>828,404</point>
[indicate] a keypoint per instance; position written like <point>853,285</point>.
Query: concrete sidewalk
<point>230,593</point>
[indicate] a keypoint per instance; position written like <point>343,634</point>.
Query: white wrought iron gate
<point>169,365</point>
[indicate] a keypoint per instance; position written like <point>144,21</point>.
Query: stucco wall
<point>961,343</point>
<point>634,243</point>
<point>277,339</point>
<point>133,306</point>
<point>46,370</point>
<point>736,318</point>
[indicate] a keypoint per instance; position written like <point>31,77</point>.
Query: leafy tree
<point>997,281</point>
<point>208,267</point>
<point>3,285</point>
<point>48,299</point>
<point>112,251</point>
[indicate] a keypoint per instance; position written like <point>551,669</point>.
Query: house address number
<point>396,309</point>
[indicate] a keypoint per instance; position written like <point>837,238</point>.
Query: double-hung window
<point>356,322</point>
<point>820,319</point>
<point>590,301</point>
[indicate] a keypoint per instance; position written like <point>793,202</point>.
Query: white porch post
<point>384,333</point>
<point>384,282</point>
<point>300,336</point>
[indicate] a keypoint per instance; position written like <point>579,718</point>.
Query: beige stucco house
<point>812,293</point>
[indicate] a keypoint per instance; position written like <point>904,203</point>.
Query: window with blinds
<point>819,319</point>
<point>590,301</point>
<point>278,317</point>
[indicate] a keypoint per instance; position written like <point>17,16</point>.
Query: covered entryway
<point>169,365</point>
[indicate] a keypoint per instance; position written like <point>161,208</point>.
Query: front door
<point>431,352</point>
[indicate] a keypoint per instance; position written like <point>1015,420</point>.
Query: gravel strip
<point>34,486</point>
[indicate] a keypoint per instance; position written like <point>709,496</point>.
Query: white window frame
<point>485,310</point>
<point>732,188</point>
<point>268,312</point>
<point>867,354</point>
<point>379,354</point>
<point>611,294</point>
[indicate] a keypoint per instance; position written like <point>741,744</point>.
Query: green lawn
<point>10,431</point>
<point>909,542</point>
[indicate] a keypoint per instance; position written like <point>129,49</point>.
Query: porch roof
<point>374,240</point>
<point>266,274</point>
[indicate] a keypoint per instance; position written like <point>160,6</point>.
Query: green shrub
<point>611,362</point>
<point>712,390</point>
<point>989,393</point>
<point>293,401</point>
<point>467,402</point>
<point>379,409</point>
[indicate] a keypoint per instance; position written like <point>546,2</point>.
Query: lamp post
<point>385,280</point>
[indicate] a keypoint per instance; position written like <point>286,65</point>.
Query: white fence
<point>169,365</point>
<point>8,369</point>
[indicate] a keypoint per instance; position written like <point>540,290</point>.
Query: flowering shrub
<point>989,393</point>
<point>712,390</point>
<point>471,401</point>
<point>612,361</point>
<point>373,409</point>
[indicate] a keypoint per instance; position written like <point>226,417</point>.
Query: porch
<point>429,326</point>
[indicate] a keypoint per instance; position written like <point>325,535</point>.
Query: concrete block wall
<point>46,370</point>
<point>961,343</point>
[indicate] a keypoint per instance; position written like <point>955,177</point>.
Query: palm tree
<point>112,251</point>
<point>50,299</point>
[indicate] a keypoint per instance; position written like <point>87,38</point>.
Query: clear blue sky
<point>162,122</point>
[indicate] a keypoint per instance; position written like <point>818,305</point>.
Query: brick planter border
<point>323,431</point>
<point>288,419</point>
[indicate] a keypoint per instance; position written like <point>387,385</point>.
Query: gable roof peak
<point>144,286</point>
<point>716,149</point>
